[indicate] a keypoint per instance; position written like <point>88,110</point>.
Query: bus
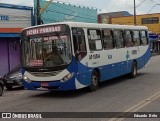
<point>73,55</point>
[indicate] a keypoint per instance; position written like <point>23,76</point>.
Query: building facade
<point>105,18</point>
<point>61,11</point>
<point>13,19</point>
<point>152,21</point>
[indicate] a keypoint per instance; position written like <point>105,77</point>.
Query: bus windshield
<point>46,51</point>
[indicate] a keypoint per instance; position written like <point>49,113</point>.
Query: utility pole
<point>38,13</point>
<point>135,13</point>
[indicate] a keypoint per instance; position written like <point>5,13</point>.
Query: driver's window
<point>79,43</point>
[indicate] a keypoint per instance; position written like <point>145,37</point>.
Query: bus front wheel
<point>133,73</point>
<point>94,81</point>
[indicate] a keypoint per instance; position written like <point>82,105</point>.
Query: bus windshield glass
<point>46,51</point>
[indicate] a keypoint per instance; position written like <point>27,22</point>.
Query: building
<point>152,21</point>
<point>105,18</point>
<point>13,19</point>
<point>61,11</point>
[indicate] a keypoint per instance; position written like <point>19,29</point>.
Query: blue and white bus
<point>74,55</point>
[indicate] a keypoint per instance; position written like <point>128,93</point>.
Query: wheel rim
<point>134,70</point>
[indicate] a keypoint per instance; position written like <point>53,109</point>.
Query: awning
<point>9,34</point>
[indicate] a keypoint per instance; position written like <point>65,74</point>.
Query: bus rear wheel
<point>94,81</point>
<point>133,73</point>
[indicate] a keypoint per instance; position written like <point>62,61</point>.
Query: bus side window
<point>75,43</point>
<point>128,38</point>
<point>144,40</point>
<point>79,43</point>
<point>136,38</point>
<point>118,37</point>
<point>108,41</point>
<point>95,39</point>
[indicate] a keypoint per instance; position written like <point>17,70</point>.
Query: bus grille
<point>45,74</point>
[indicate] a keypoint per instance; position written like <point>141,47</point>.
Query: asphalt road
<point>141,94</point>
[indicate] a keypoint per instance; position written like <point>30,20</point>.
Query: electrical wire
<point>155,2</point>
<point>140,3</point>
<point>151,9</point>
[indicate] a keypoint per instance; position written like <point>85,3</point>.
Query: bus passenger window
<point>108,39</point>
<point>95,42</point>
<point>118,37</point>
<point>128,39</point>
<point>136,38</point>
<point>143,37</point>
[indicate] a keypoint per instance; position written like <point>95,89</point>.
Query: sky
<point>147,6</point>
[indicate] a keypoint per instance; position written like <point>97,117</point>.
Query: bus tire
<point>1,90</point>
<point>94,81</point>
<point>133,73</point>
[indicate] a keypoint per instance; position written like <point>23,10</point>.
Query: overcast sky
<point>148,6</point>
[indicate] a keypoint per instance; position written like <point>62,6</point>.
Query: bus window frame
<point>103,38</point>
<point>131,33</point>
<point>77,52</point>
<point>138,38</point>
<point>95,39</point>
<point>146,37</point>
<point>122,33</point>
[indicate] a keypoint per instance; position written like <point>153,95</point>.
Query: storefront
<point>13,19</point>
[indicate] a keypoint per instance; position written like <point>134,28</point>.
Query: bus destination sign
<point>43,30</point>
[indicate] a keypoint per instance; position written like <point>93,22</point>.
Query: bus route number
<point>94,56</point>
<point>134,52</point>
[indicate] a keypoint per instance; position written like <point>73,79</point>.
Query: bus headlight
<point>26,79</point>
<point>67,77</point>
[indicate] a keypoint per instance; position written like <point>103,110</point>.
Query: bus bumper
<point>71,84</point>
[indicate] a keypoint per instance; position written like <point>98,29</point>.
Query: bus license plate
<point>44,84</point>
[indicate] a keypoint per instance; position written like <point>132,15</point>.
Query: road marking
<point>138,106</point>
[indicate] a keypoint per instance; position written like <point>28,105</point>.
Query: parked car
<point>13,78</point>
<point>1,87</point>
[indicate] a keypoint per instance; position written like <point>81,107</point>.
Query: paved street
<point>118,95</point>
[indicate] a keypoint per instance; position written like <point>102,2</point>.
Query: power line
<point>152,9</point>
<point>155,2</point>
<point>140,3</point>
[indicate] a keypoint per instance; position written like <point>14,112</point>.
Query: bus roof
<point>93,25</point>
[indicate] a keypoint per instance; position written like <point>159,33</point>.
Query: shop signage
<point>4,18</point>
